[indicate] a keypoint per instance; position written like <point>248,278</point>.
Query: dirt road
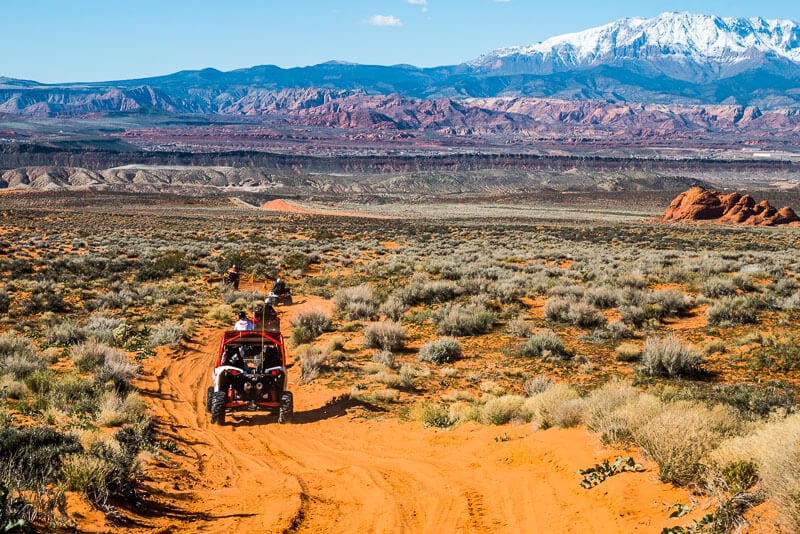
<point>348,467</point>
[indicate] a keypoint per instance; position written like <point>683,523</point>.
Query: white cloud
<point>417,2</point>
<point>384,20</point>
<point>502,1</point>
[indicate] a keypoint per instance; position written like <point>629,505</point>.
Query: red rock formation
<point>700,204</point>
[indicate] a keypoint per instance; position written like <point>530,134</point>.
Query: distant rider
<point>280,286</point>
<point>233,276</point>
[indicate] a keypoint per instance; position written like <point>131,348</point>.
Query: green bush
<point>359,302</point>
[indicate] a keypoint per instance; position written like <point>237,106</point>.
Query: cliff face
<point>700,204</point>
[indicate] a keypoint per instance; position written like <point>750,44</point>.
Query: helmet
<point>233,266</point>
<point>242,315</point>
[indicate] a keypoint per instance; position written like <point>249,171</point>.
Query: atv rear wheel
<point>287,301</point>
<point>209,395</point>
<point>286,410</point>
<point>218,400</point>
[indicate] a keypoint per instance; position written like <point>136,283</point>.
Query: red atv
<point>250,374</point>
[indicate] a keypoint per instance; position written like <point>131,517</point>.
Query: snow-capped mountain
<point>685,46</point>
<point>675,58</point>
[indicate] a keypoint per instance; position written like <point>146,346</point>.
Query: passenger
<point>243,323</point>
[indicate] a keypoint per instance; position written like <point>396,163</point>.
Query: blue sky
<point>90,40</point>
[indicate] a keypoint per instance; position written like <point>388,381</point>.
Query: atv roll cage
<point>250,374</point>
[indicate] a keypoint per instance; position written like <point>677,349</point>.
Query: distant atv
<point>250,374</point>
<point>284,297</point>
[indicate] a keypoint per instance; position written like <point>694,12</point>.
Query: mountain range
<point>675,72</point>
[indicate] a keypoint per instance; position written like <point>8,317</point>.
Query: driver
<point>280,286</point>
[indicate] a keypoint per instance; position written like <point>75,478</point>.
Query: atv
<point>250,374</point>
<point>284,297</point>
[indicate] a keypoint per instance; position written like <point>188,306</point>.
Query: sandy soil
<point>283,206</point>
<point>346,466</point>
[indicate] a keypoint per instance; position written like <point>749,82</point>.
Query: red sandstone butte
<point>700,204</point>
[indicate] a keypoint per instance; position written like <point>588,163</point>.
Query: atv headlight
<point>247,387</point>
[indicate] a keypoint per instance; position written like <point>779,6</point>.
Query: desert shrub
<point>630,280</point>
<point>518,327</point>
<point>384,357</point>
<point>90,355</point>
<point>432,414</point>
<point>601,406</point>
<point>359,302</point>
<point>501,410</point>
<point>100,327</point>
<point>792,302</point>
<point>312,360</point>
<point>11,388</point>
<point>633,315</point>
<point>558,405</point>
<point>669,356</point>
<point>386,335</point>
<point>308,325</point>
<point>601,297</point>
<point>117,409</point>
<point>492,388</point>
<point>45,296</point>
<point>616,330</point>
<point>165,265</point>
<point>543,344</point>
<point>118,370</point>
<point>585,316</point>
<point>421,290</point>
<point>388,378</point>
<point>64,333</point>
<point>5,301</point>
<point>460,320</point>
<point>571,292</point>
<point>735,310</point>
<point>628,352</point>
<point>78,394</point>
<point>408,375</point>
<point>220,312</point>
<point>668,303</point>
<point>508,290</point>
<point>442,350</point>
<point>755,400</point>
<point>393,308</point>
<point>18,356</point>
<point>168,333</point>
<point>744,281</point>
<point>774,449</point>
<point>682,434</point>
<point>557,309</point>
<point>537,384</point>
<point>718,287</point>
<point>30,463</point>
<point>118,465</point>
<point>785,287</point>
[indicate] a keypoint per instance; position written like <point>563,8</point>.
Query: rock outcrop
<point>700,204</point>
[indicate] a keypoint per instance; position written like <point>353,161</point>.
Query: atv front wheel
<point>209,395</point>
<point>218,400</point>
<point>286,410</point>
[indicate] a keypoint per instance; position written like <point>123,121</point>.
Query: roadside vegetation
<point>679,340</point>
